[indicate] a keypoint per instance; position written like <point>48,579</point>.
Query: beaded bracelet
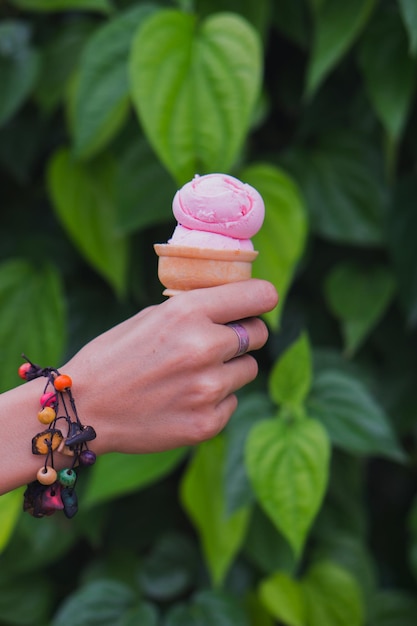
<point>55,490</point>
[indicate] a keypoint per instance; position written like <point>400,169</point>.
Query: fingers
<point>234,301</point>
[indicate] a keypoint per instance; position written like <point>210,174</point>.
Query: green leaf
<point>183,73</point>
<point>281,240</point>
<point>287,463</point>
<point>257,13</point>
<point>102,95</point>
<point>408,10</point>
<point>35,294</point>
<point>292,19</point>
<point>59,59</point>
<point>266,547</point>
<point>391,607</point>
<point>257,614</point>
<point>341,179</point>
<point>19,65</point>
<point>208,608</point>
<point>283,597</point>
<point>358,296</point>
<point>10,509</point>
<point>337,25</point>
<point>202,495</point>
<point>143,188</point>
<point>170,570</point>
<point>353,419</point>
<point>33,547</point>
<point>145,615</point>
<point>390,76</point>
<point>332,596</point>
<point>401,228</point>
<point>251,408</point>
<point>102,6</point>
<point>116,474</point>
<point>25,600</point>
<point>83,198</point>
<point>291,376</point>
<point>101,602</point>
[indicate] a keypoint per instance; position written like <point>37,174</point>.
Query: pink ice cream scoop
<point>221,205</point>
<point>217,215</point>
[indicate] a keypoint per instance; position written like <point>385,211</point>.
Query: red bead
<point>23,370</point>
<point>62,382</point>
<point>48,399</point>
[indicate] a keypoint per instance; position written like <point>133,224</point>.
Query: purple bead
<point>87,457</point>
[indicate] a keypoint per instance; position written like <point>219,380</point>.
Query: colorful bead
<point>83,434</point>
<point>63,449</point>
<point>46,475</point>
<point>46,441</point>
<point>51,499</point>
<point>70,501</point>
<point>67,477</point>
<point>23,370</point>
<point>55,490</point>
<point>46,415</point>
<point>62,382</point>
<point>48,399</point>
<point>87,457</point>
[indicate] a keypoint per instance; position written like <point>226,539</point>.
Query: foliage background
<point>303,511</point>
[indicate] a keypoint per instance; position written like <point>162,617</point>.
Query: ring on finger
<point>243,338</point>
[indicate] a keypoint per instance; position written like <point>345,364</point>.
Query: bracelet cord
<point>55,490</point>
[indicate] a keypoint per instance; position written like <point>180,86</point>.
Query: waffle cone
<point>181,268</point>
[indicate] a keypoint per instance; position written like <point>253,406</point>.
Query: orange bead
<point>62,382</point>
<point>46,475</point>
<point>46,415</point>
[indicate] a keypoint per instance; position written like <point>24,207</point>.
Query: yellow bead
<point>46,415</point>
<point>46,475</point>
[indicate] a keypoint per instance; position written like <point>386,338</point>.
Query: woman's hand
<point>167,377</point>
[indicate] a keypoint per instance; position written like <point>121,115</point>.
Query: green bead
<point>67,477</point>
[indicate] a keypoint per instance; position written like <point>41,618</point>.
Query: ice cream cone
<point>181,268</point>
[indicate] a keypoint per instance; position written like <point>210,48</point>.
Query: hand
<point>167,377</point>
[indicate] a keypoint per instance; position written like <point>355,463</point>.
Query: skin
<point>162,379</point>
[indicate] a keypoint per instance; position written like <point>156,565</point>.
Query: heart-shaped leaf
<point>391,75</point>
<point>208,608</point>
<point>116,474</point>
<point>288,465</point>
<point>337,24</point>
<point>203,497</point>
<point>341,179</point>
<point>283,597</point>
<point>358,296</point>
<point>281,240</point>
<point>83,198</point>
<point>291,376</point>
<point>194,86</point>
<point>32,317</point>
<point>102,96</point>
<point>354,420</point>
<point>332,596</point>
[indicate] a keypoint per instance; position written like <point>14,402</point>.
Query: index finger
<point>235,301</point>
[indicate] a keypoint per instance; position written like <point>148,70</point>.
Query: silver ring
<point>243,337</point>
